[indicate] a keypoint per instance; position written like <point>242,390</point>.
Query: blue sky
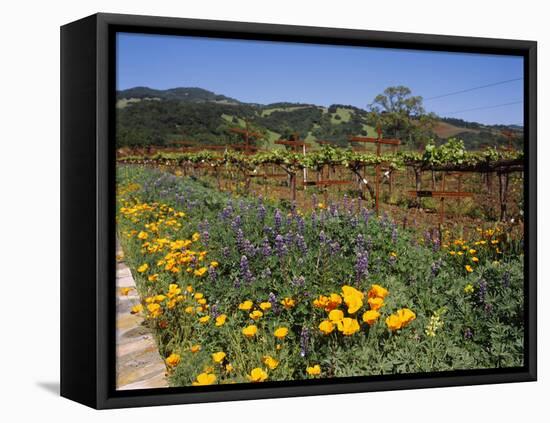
<point>268,72</point>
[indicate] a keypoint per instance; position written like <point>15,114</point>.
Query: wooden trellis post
<point>379,141</point>
<point>503,182</point>
<point>441,195</point>
<point>246,134</point>
<point>296,146</point>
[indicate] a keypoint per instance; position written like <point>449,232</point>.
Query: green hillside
<point>147,116</point>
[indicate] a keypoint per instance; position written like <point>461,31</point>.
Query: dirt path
<point>138,363</point>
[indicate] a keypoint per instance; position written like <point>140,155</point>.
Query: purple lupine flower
<point>436,267</point>
<point>362,266</point>
<point>268,231</point>
<point>354,221</point>
<point>214,312</point>
<point>212,273</point>
<point>226,212</point>
<point>394,233</point>
<point>436,246</point>
<point>239,239</point>
<point>182,200</point>
<point>266,247</point>
<point>288,220</point>
<point>482,292</point>
<point>293,209</point>
<point>298,282</point>
<point>280,246</point>
<point>246,274</point>
<point>333,210</point>
<point>304,341</point>
<point>322,237</point>
<point>261,211</point>
<point>360,242</point>
<point>243,206</point>
<point>334,247</point>
<point>226,252</point>
<point>205,237</point>
<point>278,220</point>
<point>272,298</point>
<point>384,220</point>
<point>248,248</point>
<point>289,238</point>
<point>468,334</point>
<point>427,237</point>
<point>366,215</point>
<point>322,217</point>
<point>301,224</point>
<point>313,219</point>
<point>301,243</point>
<point>236,223</point>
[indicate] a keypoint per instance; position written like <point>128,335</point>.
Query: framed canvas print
<point>254,211</point>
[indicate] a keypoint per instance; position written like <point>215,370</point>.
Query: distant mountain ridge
<point>148,116</point>
<point>185,94</point>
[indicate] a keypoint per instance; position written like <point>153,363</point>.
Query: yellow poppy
<point>348,326</point>
<point>370,317</point>
<point>220,320</point>
<point>375,303</point>
<point>281,332</point>
<point>377,291</point>
<point>270,362</point>
<point>257,375</point>
<point>326,326</point>
<point>336,315</point>
<point>314,370</point>
<point>256,314</point>
<point>245,305</point>
<point>205,379</point>
<point>250,331</point>
<point>288,303</point>
<point>218,357</point>
<point>173,360</point>
<point>265,306</point>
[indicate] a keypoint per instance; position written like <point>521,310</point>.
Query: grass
<point>267,112</point>
<point>345,116</point>
<point>124,102</point>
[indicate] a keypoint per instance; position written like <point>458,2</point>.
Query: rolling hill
<point>147,116</point>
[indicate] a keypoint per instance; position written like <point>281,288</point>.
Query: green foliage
<point>402,115</point>
<point>450,154</point>
<point>464,319</point>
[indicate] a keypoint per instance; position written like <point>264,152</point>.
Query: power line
<point>473,88</point>
<point>482,108</point>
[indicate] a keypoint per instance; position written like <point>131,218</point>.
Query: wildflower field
<point>239,288</point>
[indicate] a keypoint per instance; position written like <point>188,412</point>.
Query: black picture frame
<point>87,208</point>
